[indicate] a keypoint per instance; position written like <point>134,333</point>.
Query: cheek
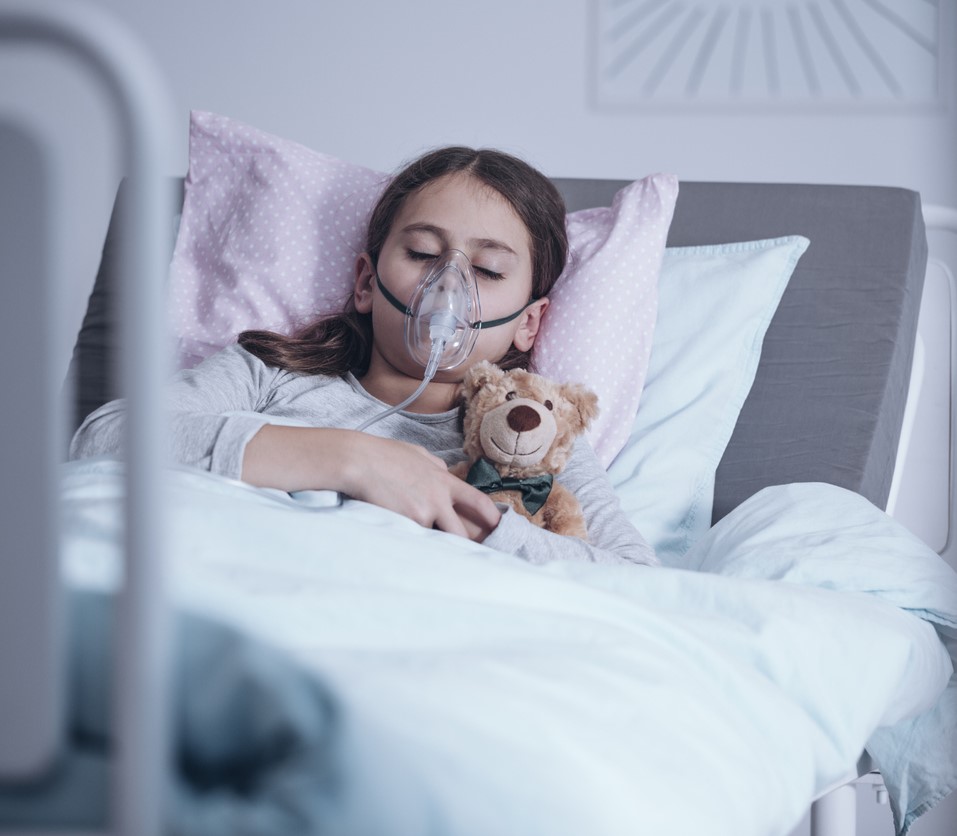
<point>388,324</point>
<point>504,297</point>
<point>501,300</point>
<point>398,274</point>
<point>495,343</point>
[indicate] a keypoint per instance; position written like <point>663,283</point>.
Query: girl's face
<point>453,212</point>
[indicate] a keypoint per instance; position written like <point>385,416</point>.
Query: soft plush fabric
<point>519,431</point>
<point>271,229</point>
<point>714,306</point>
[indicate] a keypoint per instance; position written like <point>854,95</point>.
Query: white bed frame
<point>141,100</point>
<point>29,597</point>
<point>834,813</point>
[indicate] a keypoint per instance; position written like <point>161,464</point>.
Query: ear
<point>365,284</point>
<point>479,376</point>
<point>529,324</point>
<point>584,401</point>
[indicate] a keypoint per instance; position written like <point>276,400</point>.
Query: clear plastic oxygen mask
<point>443,319</point>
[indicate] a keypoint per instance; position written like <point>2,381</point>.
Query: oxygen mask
<point>443,318</point>
<point>444,310</point>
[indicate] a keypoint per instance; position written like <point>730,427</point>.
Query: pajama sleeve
<point>201,432</point>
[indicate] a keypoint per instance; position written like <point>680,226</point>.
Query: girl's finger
<point>476,505</point>
<point>449,522</point>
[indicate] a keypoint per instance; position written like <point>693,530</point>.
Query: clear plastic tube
<point>438,347</point>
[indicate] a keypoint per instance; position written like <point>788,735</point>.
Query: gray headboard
<point>828,398</point>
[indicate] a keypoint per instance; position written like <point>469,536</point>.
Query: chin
<point>456,375</point>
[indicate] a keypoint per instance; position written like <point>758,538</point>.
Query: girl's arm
<point>202,433</point>
<point>402,477</point>
<point>213,426</point>
<point>611,536</point>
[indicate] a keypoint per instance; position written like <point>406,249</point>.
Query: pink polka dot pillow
<point>268,237</point>
<point>601,320</point>
<point>270,231</point>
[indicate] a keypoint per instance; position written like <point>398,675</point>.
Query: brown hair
<point>337,343</point>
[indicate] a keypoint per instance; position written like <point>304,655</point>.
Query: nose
<point>523,418</point>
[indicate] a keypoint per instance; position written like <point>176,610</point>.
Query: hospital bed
<point>286,697</point>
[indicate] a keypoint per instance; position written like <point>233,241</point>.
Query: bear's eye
<point>548,405</point>
<point>511,396</point>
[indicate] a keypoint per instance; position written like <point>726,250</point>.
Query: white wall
<point>376,82</point>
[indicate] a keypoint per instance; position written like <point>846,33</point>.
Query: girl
<point>509,221</point>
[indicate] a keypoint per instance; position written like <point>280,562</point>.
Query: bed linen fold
<point>477,693</point>
<point>847,544</point>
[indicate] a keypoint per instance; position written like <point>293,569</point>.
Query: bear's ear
<point>584,401</point>
<point>479,376</point>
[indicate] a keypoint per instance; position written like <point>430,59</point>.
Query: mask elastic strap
<point>504,319</point>
<point>475,325</point>
<point>390,298</point>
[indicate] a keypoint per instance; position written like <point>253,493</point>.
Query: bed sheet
<point>478,694</point>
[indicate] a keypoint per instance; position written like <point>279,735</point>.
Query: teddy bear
<point>519,430</point>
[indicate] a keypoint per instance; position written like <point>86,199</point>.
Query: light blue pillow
<point>714,306</point>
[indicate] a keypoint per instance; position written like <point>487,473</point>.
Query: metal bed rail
<point>138,95</point>
<point>939,218</point>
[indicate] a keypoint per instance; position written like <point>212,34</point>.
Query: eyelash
<point>484,272</point>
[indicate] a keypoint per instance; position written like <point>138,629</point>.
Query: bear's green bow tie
<point>534,489</point>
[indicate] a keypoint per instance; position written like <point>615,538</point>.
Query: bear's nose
<point>523,418</point>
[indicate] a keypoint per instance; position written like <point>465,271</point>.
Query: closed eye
<point>415,255</point>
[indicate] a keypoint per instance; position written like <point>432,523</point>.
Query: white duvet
<point>482,695</point>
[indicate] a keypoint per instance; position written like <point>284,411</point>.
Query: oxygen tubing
<point>438,346</point>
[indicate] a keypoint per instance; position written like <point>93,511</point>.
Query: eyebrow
<point>477,243</point>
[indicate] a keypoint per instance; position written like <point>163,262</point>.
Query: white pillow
<point>714,306</point>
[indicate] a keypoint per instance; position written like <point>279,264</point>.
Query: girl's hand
<point>402,477</point>
<point>408,479</point>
